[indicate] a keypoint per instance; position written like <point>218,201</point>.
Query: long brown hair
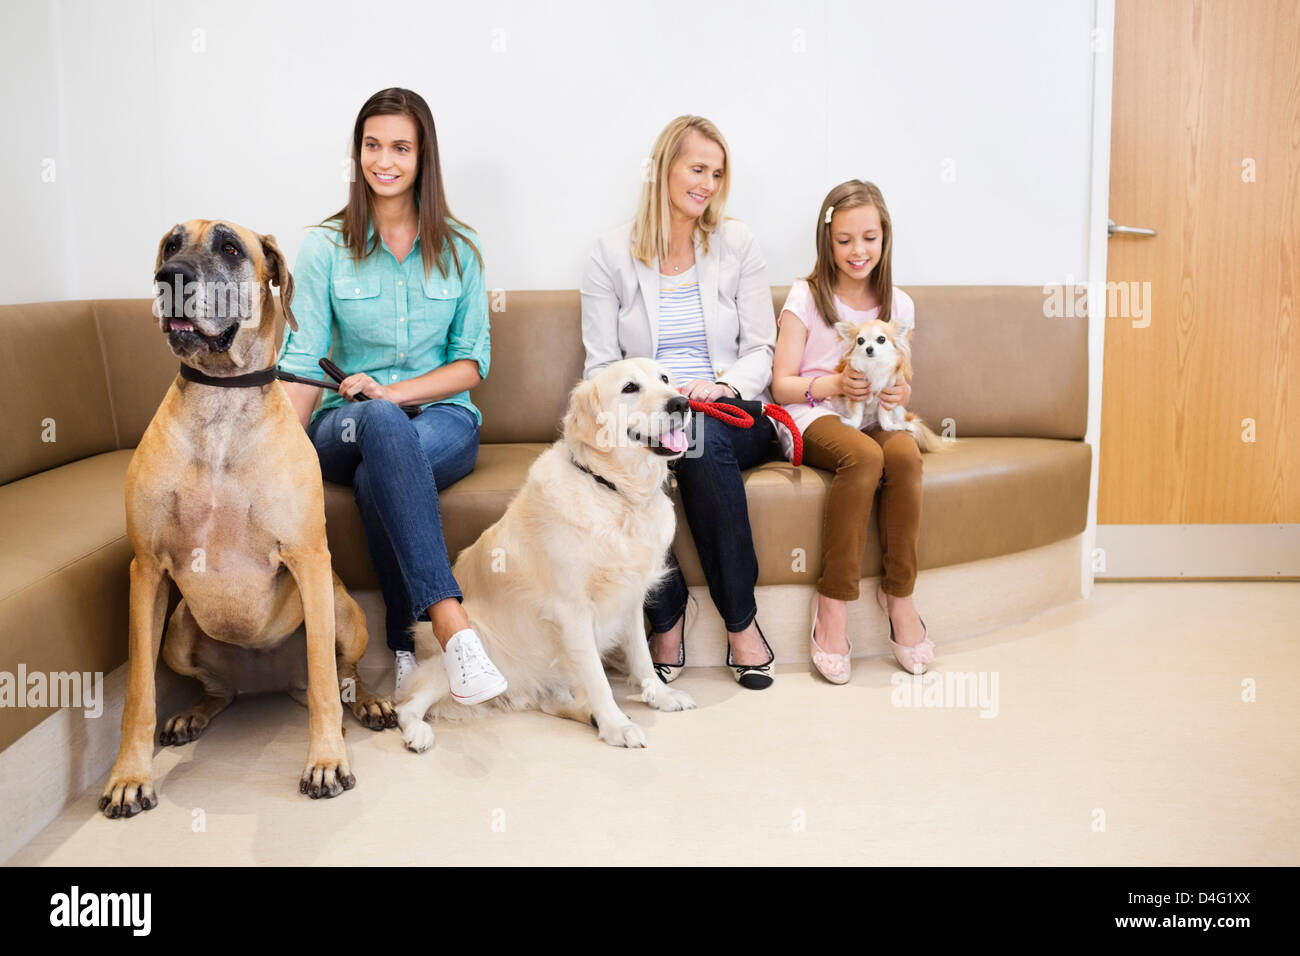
<point>650,228</point>
<point>850,195</point>
<point>430,201</point>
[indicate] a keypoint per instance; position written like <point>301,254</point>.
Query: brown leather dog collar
<point>250,380</point>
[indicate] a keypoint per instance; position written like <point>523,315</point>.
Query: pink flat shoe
<point>916,659</point>
<point>834,667</point>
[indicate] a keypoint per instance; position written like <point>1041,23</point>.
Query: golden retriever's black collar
<point>604,481</point>
<point>251,380</point>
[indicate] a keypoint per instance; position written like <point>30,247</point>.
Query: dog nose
<point>176,276</point>
<point>171,270</point>
<point>678,405</point>
<point>870,349</point>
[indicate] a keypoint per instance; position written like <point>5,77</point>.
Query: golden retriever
<point>558,583</point>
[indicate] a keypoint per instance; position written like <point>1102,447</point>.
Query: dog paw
<point>182,728</point>
<point>418,736</point>
<point>126,795</point>
<point>377,714</point>
<point>625,734</point>
<point>326,777</point>
<point>662,697</point>
<point>673,700</point>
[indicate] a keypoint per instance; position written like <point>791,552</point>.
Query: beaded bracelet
<point>812,402</point>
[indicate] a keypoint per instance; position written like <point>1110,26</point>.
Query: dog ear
<point>581,421</point>
<point>848,333</point>
<point>277,272</point>
<point>157,264</point>
<point>899,338</point>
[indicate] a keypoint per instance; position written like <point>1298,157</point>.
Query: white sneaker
<point>474,678</point>
<point>405,667</point>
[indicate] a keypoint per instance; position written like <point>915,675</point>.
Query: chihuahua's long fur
<point>877,350</point>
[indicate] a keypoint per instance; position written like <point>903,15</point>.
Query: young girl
<point>852,282</point>
<point>392,288</point>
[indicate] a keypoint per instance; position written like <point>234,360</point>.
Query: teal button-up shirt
<point>383,317</point>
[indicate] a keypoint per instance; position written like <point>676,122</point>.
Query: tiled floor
<point>1116,733</point>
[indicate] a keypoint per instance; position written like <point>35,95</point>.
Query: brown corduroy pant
<point>858,460</point>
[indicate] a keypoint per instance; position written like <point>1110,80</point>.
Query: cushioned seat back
<point>537,358</point>
<point>54,388</point>
<point>140,365</point>
<point>988,359</point>
<point>985,357</point>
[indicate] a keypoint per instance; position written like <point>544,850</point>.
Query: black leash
<point>267,375</point>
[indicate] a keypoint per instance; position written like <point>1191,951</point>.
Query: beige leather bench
<point>1012,382</point>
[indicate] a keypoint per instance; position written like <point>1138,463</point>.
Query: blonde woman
<point>687,287</point>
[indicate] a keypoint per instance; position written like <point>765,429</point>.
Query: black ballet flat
<point>754,676</point>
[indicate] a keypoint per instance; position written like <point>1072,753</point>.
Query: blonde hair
<point>650,228</point>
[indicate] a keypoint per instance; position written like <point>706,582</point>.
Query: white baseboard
<point>1191,551</point>
<point>957,602</point>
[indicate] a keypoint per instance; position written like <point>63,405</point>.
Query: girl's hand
<point>362,384</point>
<point>898,394</point>
<point>700,391</point>
<point>853,385</point>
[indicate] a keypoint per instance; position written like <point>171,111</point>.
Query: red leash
<point>742,419</point>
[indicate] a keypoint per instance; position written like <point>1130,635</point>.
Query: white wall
<point>34,208</point>
<point>542,143</point>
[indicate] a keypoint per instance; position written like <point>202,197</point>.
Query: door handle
<point>1112,229</point>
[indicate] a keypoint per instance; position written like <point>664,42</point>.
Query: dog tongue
<point>674,440</point>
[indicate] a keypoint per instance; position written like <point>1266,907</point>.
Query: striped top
<point>683,344</point>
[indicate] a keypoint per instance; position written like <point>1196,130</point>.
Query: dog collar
<point>251,380</point>
<point>604,481</point>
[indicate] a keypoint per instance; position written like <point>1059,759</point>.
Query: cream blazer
<point>620,307</point>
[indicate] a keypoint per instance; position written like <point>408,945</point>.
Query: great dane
<point>224,496</point>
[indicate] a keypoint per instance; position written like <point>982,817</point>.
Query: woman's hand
<point>700,391</point>
<point>363,384</point>
<point>898,394</point>
<point>852,384</point>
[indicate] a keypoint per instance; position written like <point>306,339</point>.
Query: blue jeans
<point>397,466</point>
<point>713,497</point>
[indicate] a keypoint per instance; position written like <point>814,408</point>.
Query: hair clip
<point>829,210</point>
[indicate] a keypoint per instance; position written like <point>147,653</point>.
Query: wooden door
<point>1201,394</point>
